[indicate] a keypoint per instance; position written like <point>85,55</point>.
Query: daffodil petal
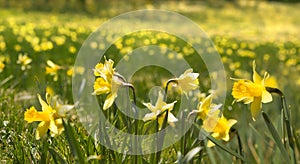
<point>109,101</point>
<point>150,107</point>
<point>210,144</point>
<point>53,127</point>
<point>255,107</point>
<point>266,97</point>
<point>206,103</point>
<point>168,106</point>
<point>43,103</point>
<point>41,129</point>
<point>171,118</point>
<point>149,116</point>
<point>256,78</point>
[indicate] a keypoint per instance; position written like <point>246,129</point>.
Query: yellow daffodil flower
<point>105,70</point>
<point>158,111</point>
<point>205,108</point>
<point>107,82</point>
<point>253,92</point>
<point>24,61</point>
<point>188,81</point>
<point>52,69</point>
<point>219,126</point>
<point>50,118</point>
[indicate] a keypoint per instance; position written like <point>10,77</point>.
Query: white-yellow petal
<point>149,116</point>
<point>109,101</point>
<point>266,97</point>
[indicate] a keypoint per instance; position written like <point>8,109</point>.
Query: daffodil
<point>50,117</point>
<point>106,70</point>
<point>253,92</point>
<point>107,82</point>
<point>158,111</point>
<point>187,81</point>
<point>52,69</point>
<point>218,126</point>
<point>206,107</point>
<point>24,61</point>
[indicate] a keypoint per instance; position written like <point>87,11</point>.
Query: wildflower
<point>188,81</point>
<point>105,70</point>
<point>107,82</point>
<point>219,126</point>
<point>2,66</point>
<point>24,61</point>
<point>52,69</point>
<point>158,111</point>
<point>76,70</point>
<point>205,108</point>
<point>253,92</point>
<point>50,118</point>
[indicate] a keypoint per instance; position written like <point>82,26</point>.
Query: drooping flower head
<point>107,82</point>
<point>158,111</point>
<point>187,81</point>
<point>206,108</point>
<point>218,126</point>
<point>50,117</point>
<point>253,92</point>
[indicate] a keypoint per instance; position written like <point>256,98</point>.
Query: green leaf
<point>74,145</point>
<point>276,137</point>
<point>190,155</point>
<point>219,144</point>
<point>44,151</point>
<point>56,156</point>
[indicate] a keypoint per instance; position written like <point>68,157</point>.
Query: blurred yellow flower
<point>78,70</point>
<point>24,61</point>
<point>52,69</point>
<point>158,111</point>
<point>107,82</point>
<point>2,66</point>
<point>206,107</point>
<point>188,81</point>
<point>219,126</point>
<point>50,118</point>
<point>253,92</point>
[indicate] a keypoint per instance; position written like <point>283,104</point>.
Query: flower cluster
<point>213,121</point>
<point>50,117</point>
<point>107,82</point>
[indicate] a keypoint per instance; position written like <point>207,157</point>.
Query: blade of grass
<point>44,151</point>
<point>57,158</point>
<point>276,137</point>
<point>219,144</point>
<point>74,145</point>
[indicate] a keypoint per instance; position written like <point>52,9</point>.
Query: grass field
<point>265,32</point>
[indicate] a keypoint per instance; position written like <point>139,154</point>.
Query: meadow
<point>37,55</point>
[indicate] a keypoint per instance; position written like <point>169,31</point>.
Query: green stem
<point>166,89</point>
<point>135,139</point>
<point>286,116</point>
